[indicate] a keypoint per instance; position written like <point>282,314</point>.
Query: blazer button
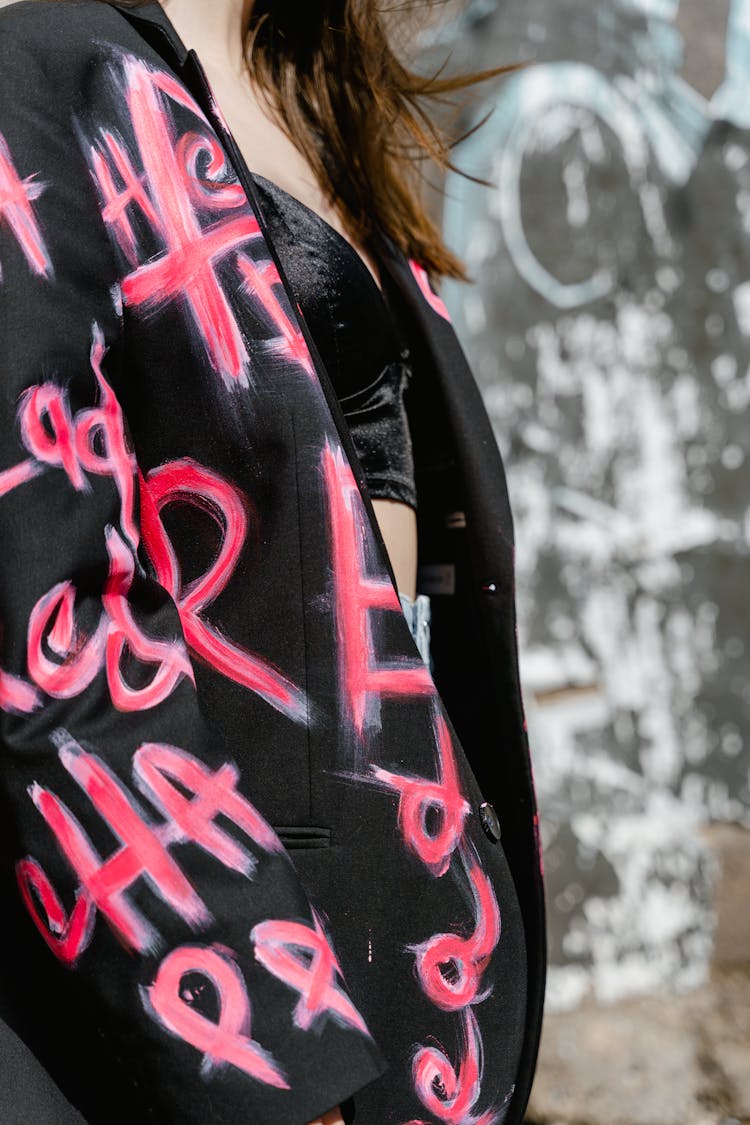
<point>489,821</point>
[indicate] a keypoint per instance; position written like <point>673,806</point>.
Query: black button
<point>490,821</point>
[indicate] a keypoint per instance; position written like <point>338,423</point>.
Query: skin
<point>215,32</point>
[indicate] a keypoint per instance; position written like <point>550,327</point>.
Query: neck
<point>214,30</point>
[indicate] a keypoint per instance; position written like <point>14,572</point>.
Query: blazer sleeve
<point>142,866</point>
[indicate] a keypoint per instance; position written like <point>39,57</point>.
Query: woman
<point>253,812</point>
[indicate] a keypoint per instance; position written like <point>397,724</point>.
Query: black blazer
<point>251,862</point>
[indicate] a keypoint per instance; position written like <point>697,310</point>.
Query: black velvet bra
<point>354,328</point>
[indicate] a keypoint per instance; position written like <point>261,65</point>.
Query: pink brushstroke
<point>16,696</point>
<point>225,1043</point>
<point>67,935</point>
<point>48,431</point>
<point>187,482</point>
<point>419,796</point>
<point>303,959</point>
<point>16,198</point>
<point>93,441</point>
<point>423,281</point>
<point>168,194</point>
<point>10,479</point>
<point>101,444</point>
<point>356,594</point>
<point>211,189</point>
<point>259,280</point>
<point>156,768</point>
<point>467,956</point>
<point>451,1095</point>
<point>170,658</point>
<point>80,657</point>
<point>116,201</point>
<point>143,854</point>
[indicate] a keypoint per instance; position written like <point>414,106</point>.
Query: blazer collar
<point>152,21</point>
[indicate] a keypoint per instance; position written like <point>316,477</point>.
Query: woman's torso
<point>261,441</point>
<point>295,199</point>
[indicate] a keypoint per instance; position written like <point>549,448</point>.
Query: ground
<point>662,1059</point>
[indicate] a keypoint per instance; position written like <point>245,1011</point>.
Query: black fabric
<point>466,530</point>
<point>27,1093</point>
<point>366,357</point>
<point>242,864</point>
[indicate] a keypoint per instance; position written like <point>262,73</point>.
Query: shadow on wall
<point>609,328</point>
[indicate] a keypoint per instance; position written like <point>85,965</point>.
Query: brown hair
<point>359,115</point>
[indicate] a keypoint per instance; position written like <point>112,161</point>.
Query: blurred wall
<point>609,329</point>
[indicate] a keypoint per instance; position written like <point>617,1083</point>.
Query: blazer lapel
<point>157,29</point>
<point>475,442</point>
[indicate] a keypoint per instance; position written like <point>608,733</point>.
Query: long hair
<point>359,115</point>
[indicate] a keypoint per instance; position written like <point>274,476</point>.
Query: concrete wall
<point>609,329</point>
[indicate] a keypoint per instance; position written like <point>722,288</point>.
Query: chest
<point>268,151</point>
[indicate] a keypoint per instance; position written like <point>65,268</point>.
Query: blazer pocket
<point>302,836</point>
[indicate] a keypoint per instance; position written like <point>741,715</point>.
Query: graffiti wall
<point>609,329</point>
